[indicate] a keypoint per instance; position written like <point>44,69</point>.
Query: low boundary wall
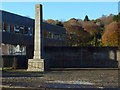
<point>82,57</point>
<point>70,57</point>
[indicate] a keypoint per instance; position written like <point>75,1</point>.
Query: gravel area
<point>62,79</point>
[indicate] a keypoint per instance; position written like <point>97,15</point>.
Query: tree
<point>93,29</point>
<point>59,23</point>
<point>83,38</point>
<point>86,18</point>
<point>50,21</point>
<point>106,20</point>
<point>116,18</point>
<point>77,36</point>
<point>55,22</point>
<point>111,36</point>
<point>72,21</point>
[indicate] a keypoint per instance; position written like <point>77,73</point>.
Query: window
<point>29,31</point>
<point>8,28</point>
<point>25,30</point>
<point>16,29</point>
<point>56,36</point>
<point>11,28</point>
<point>5,27</point>
<point>49,35</point>
<point>21,29</point>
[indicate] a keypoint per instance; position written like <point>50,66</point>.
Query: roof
<point>26,21</point>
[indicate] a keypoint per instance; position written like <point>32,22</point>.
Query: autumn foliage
<point>91,28</point>
<point>104,31</point>
<point>111,36</point>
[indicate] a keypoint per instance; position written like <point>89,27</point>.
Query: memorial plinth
<point>37,63</point>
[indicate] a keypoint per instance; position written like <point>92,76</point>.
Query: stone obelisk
<point>37,63</point>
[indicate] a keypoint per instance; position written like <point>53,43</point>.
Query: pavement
<point>94,79</point>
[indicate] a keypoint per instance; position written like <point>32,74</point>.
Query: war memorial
<point>73,67</point>
<point>37,63</point>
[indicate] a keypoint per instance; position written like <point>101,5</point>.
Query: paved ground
<point>61,79</point>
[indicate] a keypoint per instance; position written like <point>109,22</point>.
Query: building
<point>18,33</point>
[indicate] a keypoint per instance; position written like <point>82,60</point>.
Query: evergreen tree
<point>116,18</point>
<point>86,18</point>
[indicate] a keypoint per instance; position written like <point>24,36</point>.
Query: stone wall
<point>71,57</point>
<point>81,57</point>
<point>16,61</point>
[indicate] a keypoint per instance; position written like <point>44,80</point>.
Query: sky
<point>63,10</point>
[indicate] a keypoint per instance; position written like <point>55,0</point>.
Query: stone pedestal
<point>35,65</point>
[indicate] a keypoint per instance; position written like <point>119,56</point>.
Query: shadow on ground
<point>61,89</point>
<point>15,73</point>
